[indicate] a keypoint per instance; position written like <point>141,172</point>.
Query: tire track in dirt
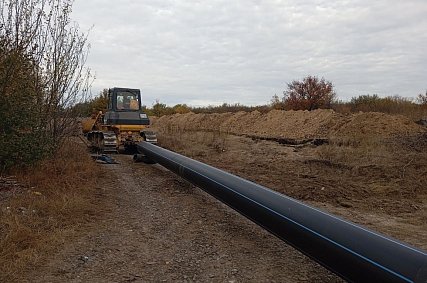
<point>161,228</point>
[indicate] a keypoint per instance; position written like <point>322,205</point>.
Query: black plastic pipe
<point>351,251</point>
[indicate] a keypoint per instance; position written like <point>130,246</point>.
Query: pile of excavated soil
<point>293,124</point>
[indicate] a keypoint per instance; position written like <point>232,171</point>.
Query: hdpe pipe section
<point>351,251</point>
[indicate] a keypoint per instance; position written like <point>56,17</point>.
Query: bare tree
<point>309,94</point>
<point>277,103</point>
<point>39,42</point>
<point>422,98</point>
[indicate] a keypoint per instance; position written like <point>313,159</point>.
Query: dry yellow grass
<point>176,140</point>
<point>57,196</point>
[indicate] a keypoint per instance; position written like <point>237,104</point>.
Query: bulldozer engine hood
<point>126,118</point>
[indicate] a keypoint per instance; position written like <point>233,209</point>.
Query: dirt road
<point>157,227</point>
<point>161,228</point>
<point>153,226</point>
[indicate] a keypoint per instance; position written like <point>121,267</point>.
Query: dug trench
<point>161,228</point>
<point>387,195</point>
<point>370,167</point>
<point>158,227</point>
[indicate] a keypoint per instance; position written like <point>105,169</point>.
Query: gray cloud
<point>209,52</point>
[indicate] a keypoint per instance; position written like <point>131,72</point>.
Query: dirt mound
<point>375,124</point>
<point>293,124</point>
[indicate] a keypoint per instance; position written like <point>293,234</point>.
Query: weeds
<point>175,139</point>
<point>355,151</point>
<point>395,162</point>
<point>58,196</point>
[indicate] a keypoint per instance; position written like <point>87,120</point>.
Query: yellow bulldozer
<point>122,126</point>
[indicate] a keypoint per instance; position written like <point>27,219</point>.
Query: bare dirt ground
<point>380,196</point>
<point>158,227</point>
<point>161,228</point>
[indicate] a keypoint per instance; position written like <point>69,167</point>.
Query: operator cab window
<point>127,101</point>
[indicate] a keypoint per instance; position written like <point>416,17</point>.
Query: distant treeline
<point>366,103</point>
<point>310,93</point>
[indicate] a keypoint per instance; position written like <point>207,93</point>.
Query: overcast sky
<point>210,52</point>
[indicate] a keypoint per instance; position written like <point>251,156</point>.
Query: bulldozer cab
<point>124,109</point>
<point>124,99</point>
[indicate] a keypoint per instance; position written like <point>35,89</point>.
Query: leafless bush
<point>422,98</point>
<point>309,94</point>
<point>42,58</point>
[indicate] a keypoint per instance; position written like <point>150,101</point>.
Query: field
<point>367,167</point>
<point>73,220</point>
